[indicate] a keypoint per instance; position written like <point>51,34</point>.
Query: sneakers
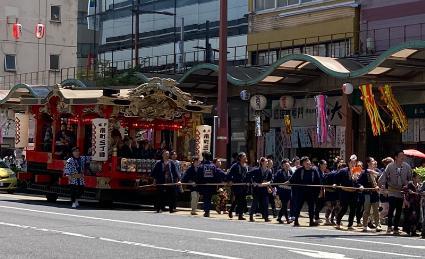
<point>193,213</point>
<point>74,205</point>
<point>378,229</point>
<point>338,226</point>
<point>77,204</point>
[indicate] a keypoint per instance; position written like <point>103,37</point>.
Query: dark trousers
<point>360,208</point>
<point>76,192</point>
<point>272,203</point>
<point>262,200</point>
<point>206,199</point>
<point>301,197</point>
<point>394,204</point>
<point>320,203</point>
<point>347,201</point>
<point>284,198</point>
<point>239,203</point>
<point>166,196</point>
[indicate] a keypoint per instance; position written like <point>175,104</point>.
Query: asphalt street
<point>33,228</point>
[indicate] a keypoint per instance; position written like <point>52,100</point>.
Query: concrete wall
<point>391,22</point>
<point>32,54</point>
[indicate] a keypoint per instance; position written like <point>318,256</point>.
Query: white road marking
<point>201,231</point>
<point>381,243</point>
<point>306,252</point>
<point>117,241</point>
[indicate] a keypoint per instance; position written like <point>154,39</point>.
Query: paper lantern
<point>17,31</point>
<point>258,102</point>
<point>244,95</point>
<point>286,102</point>
<point>22,130</point>
<point>347,88</point>
<point>40,30</point>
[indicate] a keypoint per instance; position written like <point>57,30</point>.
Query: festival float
<point>96,121</point>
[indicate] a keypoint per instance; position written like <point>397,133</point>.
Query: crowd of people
<point>371,195</point>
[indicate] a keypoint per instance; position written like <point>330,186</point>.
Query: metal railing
<point>347,44</point>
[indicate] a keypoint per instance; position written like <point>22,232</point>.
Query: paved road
<point>32,228</point>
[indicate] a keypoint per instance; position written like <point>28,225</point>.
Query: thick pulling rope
<point>277,184</point>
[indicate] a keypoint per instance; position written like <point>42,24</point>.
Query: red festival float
<point>157,114</point>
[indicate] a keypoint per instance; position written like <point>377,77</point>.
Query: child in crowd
<point>222,201</point>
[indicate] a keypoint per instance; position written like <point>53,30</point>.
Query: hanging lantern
<point>40,30</point>
<point>244,94</point>
<point>347,88</point>
<point>286,102</point>
<point>17,31</point>
<point>258,102</point>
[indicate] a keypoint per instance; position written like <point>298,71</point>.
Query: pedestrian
<point>305,175</point>
<point>284,192</point>
<point>272,195</point>
<point>208,176</point>
<point>74,169</point>
<point>190,176</point>
<point>412,212</point>
<point>296,163</point>
<point>331,198</point>
<point>260,178</point>
<point>369,179</point>
<point>347,177</point>
<point>177,163</point>
<point>167,179</point>
<point>395,177</point>
<point>238,176</point>
<point>222,197</point>
<point>360,200</point>
<point>320,201</point>
<point>383,197</point>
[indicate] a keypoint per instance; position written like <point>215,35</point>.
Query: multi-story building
<point>159,30</point>
<point>40,61</point>
<point>318,27</point>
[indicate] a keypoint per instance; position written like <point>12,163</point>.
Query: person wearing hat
<point>74,168</point>
<point>347,177</point>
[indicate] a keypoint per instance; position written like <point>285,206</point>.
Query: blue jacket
<point>343,178</point>
<point>190,176</point>
<point>282,177</point>
<point>158,172</point>
<point>238,174</point>
<point>208,173</point>
<point>331,194</point>
<point>308,177</point>
<point>257,176</point>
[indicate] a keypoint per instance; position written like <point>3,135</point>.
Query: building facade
<point>160,30</point>
<point>28,54</point>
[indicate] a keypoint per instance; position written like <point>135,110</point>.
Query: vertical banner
<point>416,130</point>
<point>203,139</point>
<point>340,140</point>
<point>100,139</point>
<point>294,138</point>
<point>260,147</point>
<point>22,130</point>
<point>258,130</point>
<point>422,130</point>
<point>271,142</point>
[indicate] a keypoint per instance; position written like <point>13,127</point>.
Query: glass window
<point>54,62</point>
<point>10,63</point>
<point>55,13</point>
<point>264,4</point>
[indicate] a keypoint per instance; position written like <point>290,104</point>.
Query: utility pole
<point>222,136</point>
<point>136,39</point>
<point>207,43</point>
<point>175,35</point>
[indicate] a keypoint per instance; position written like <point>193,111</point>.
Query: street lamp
<point>136,11</point>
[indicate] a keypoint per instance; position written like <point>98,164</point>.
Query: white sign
<point>303,114</point>
<point>22,130</point>
<point>100,139</point>
<point>203,139</point>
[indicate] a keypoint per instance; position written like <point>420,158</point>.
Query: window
<point>270,4</point>
<point>54,62</point>
<point>264,4</point>
<point>55,13</point>
<point>10,63</point>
